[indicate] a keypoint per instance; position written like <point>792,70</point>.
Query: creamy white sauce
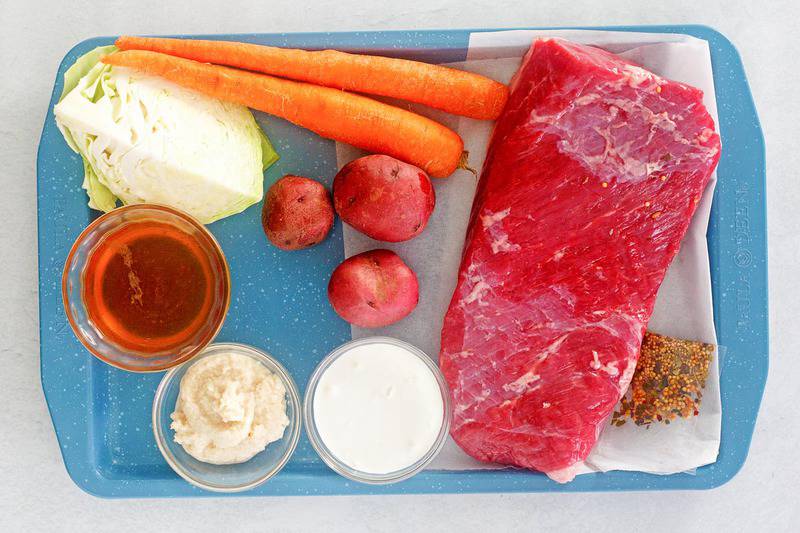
<point>229,408</point>
<point>378,408</point>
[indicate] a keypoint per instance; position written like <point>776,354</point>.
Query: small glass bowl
<point>72,287</point>
<point>233,477</point>
<point>343,469</point>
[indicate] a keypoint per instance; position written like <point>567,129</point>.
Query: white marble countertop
<point>38,495</point>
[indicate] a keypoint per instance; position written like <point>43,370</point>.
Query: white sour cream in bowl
<point>377,410</point>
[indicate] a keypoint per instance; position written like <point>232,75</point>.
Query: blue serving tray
<point>102,415</point>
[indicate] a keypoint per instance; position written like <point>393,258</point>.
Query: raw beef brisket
<point>592,176</point>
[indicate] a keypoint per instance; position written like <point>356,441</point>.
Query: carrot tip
<point>463,163</point>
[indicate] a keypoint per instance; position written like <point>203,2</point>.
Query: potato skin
<point>373,289</point>
<point>297,213</point>
<point>384,198</point>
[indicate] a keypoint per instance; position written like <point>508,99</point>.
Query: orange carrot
<point>451,90</point>
<point>338,115</point>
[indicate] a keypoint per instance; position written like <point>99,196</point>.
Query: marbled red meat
<point>591,178</point>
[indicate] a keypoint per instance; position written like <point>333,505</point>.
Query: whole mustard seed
<point>668,382</point>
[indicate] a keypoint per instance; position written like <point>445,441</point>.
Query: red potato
<point>297,213</point>
<point>373,289</point>
<point>384,198</point>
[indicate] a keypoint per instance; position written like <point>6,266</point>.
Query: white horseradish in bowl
<point>228,419</point>
<point>377,410</point>
<point>229,408</point>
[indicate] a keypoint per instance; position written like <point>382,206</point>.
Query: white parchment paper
<point>683,307</point>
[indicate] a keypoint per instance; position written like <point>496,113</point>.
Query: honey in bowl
<point>146,287</point>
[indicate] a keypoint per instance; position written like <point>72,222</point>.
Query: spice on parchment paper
<point>668,382</point>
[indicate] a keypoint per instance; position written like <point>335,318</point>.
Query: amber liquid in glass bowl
<point>146,287</point>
